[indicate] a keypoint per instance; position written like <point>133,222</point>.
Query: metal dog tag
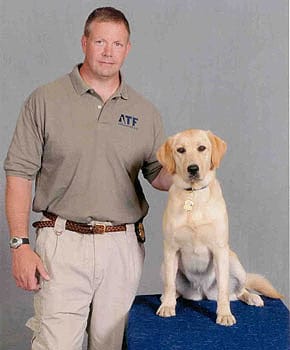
<point>188,204</point>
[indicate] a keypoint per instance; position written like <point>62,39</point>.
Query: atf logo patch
<point>128,121</point>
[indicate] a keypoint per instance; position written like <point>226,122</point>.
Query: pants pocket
<point>34,324</point>
<point>46,246</point>
<point>137,251</point>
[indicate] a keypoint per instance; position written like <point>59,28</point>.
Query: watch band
<point>25,240</point>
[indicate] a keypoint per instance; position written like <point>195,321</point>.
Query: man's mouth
<point>106,62</point>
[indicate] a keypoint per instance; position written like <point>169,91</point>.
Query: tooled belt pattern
<point>78,227</point>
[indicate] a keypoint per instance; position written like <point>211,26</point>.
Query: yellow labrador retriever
<point>198,262</point>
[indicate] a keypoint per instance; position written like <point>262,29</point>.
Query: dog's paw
<point>256,300</point>
<point>166,311</point>
<point>226,320</point>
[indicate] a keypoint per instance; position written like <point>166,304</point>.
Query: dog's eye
<point>201,148</point>
<point>181,150</point>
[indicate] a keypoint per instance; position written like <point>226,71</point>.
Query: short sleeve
<point>151,166</point>
<point>25,152</point>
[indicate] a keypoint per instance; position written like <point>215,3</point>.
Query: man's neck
<point>103,86</point>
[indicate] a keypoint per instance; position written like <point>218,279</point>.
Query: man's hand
<point>26,266</point>
<point>163,180</point>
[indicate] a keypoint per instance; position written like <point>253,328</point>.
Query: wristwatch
<point>16,242</point>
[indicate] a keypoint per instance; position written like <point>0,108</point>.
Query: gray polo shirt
<point>85,155</point>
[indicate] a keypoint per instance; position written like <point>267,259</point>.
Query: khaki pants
<point>93,282</point>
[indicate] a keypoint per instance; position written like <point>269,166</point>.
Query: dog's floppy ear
<point>165,157</point>
<point>219,148</point>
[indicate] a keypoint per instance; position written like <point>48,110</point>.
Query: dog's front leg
<point>224,315</point>
<point>170,265</point>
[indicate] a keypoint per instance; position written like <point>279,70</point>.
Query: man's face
<point>105,49</point>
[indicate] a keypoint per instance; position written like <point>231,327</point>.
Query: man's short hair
<point>106,14</point>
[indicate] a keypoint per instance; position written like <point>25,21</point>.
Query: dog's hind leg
<point>239,278</point>
<point>250,298</point>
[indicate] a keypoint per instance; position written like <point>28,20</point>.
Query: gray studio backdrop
<point>212,64</point>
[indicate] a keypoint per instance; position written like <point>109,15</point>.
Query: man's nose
<point>107,51</point>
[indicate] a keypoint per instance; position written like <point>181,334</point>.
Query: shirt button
<point>99,107</point>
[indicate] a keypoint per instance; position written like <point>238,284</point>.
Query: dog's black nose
<point>193,169</point>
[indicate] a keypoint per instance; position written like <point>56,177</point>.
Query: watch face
<point>15,242</point>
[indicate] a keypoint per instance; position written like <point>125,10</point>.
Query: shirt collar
<point>122,90</point>
<point>78,83</point>
<point>81,87</point>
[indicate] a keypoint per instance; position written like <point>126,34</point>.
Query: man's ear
<point>165,157</point>
<point>219,148</point>
<point>84,43</point>
<point>129,45</point>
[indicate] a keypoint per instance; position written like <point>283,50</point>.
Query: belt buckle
<point>99,228</point>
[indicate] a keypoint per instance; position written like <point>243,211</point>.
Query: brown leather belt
<point>78,227</point>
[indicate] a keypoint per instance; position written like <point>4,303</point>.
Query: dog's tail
<point>261,285</point>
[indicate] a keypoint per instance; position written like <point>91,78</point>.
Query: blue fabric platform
<point>194,326</point>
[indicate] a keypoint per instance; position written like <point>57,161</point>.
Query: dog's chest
<point>195,209</point>
<point>192,215</point>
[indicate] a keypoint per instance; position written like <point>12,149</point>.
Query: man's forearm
<point>26,264</point>
<point>18,205</point>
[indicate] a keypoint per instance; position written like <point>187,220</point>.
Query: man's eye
<point>99,42</point>
<point>201,148</point>
<point>118,44</point>
<point>181,150</point>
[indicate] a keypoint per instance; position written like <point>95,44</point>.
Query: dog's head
<point>192,154</point>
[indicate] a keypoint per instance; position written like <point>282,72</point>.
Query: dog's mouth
<point>193,178</point>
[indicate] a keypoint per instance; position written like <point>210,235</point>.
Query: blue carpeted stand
<point>194,326</point>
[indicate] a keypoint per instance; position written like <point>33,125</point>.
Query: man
<point>83,138</point>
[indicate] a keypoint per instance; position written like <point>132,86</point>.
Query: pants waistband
<point>88,229</point>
